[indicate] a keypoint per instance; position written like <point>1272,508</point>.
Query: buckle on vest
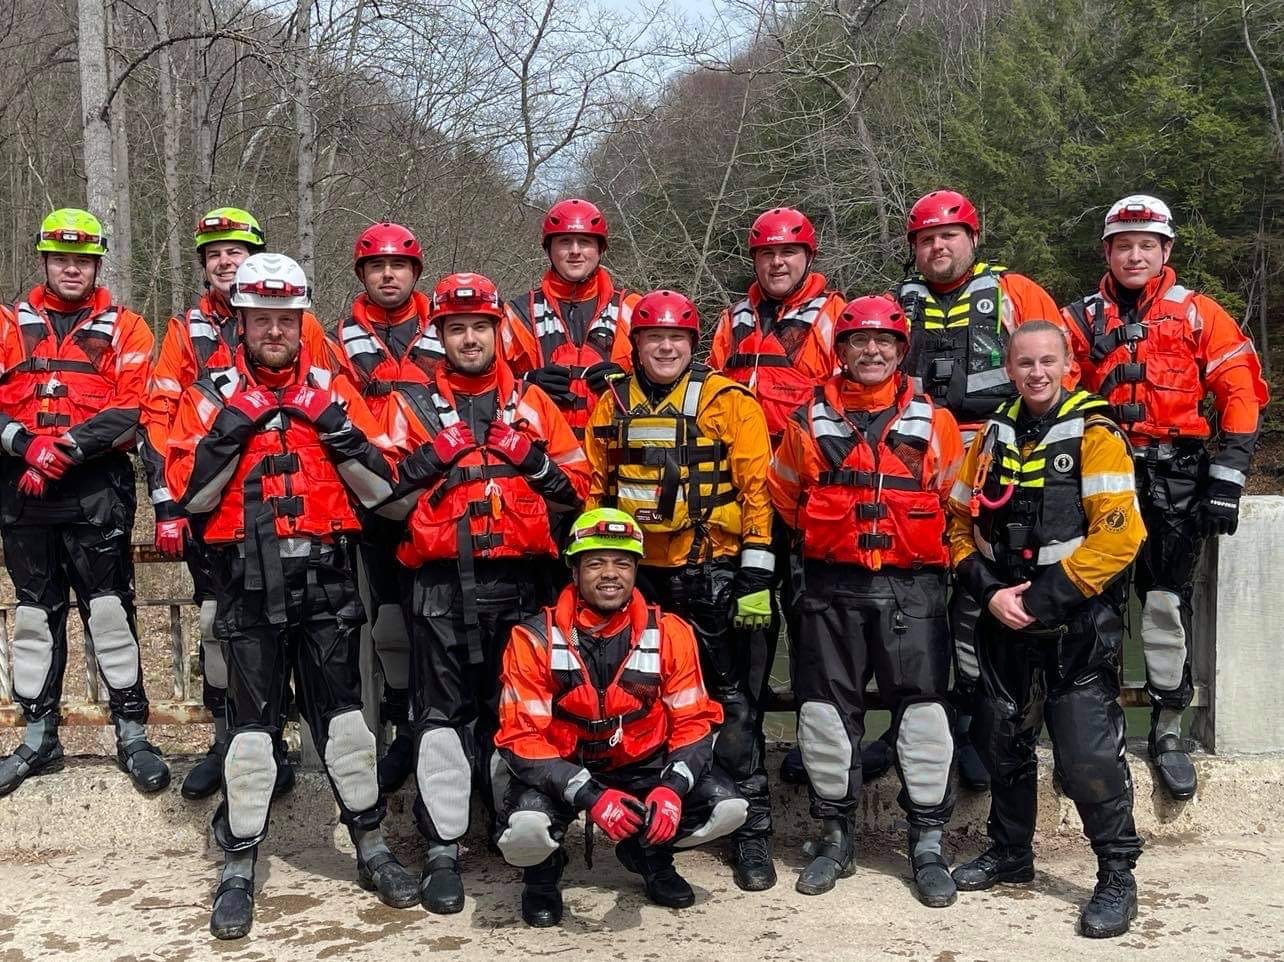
<point>1133,332</point>
<point>290,507</point>
<point>941,369</point>
<point>485,542</point>
<point>48,419</point>
<point>874,541</point>
<point>1018,538</point>
<point>281,463</point>
<point>871,511</point>
<point>45,389</point>
<point>1131,373</point>
<point>1129,413</point>
<point>479,509</point>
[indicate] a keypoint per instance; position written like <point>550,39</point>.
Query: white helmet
<point>272,281</point>
<point>1139,212</point>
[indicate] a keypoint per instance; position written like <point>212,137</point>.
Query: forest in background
<point>465,118</point>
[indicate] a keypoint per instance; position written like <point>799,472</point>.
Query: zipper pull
<point>618,736</point>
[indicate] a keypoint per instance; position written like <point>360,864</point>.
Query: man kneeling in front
<point>604,710</point>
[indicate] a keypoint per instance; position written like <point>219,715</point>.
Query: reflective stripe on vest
<point>552,332</point>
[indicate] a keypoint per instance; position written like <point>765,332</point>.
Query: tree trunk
<point>100,194</point>
<point>203,146</point>
<point>122,236</point>
<point>875,177</point>
<point>305,127</point>
<point>170,134</point>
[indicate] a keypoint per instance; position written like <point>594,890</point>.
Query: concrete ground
<point>1218,898</point>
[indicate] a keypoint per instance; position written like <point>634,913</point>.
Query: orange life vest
<point>377,369</point>
<point>872,507</point>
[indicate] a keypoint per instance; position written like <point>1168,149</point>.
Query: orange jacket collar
<point>367,312</point>
<point>259,376</point>
<point>844,394</point>
<point>498,377</point>
<point>42,298</point>
<point>1155,288</point>
<point>572,612</point>
<point>598,286</point>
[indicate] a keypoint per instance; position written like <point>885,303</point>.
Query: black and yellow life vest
<point>1043,520</point>
<point>660,467</point>
<point>956,352</point>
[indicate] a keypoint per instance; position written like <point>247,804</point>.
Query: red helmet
<point>465,293</point>
<point>574,216</point>
<point>665,309</point>
<point>874,312</point>
<point>942,207</point>
<point>386,240</point>
<point>782,225</point>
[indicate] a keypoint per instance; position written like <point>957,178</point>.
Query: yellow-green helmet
<point>230,224</point>
<point>605,529</point>
<point>70,230</point>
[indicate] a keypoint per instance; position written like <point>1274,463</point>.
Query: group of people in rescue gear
<point>921,477</point>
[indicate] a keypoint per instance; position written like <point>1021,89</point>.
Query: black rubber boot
<point>206,777</point>
<point>139,758</point>
<point>233,913</point>
<point>28,762</point>
<point>387,876</point>
<point>792,770</point>
<point>933,885</point>
<point>441,888</point>
<point>1172,760</point>
<point>877,758</point>
<point>754,870</point>
<point>541,898</point>
<point>398,762</point>
<point>972,772</point>
<point>993,866</point>
<point>1113,905</point>
<point>284,770</point>
<point>833,857</point>
<point>664,886</point>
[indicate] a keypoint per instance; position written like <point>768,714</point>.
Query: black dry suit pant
<point>298,613</point>
<point>737,672</point>
<point>890,624</point>
<point>1067,676</point>
<point>454,682</point>
<point>1170,483</point>
<point>535,823</point>
<point>388,632</point>
<point>74,538</point>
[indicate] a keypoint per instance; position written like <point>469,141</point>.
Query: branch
<point>105,113</point>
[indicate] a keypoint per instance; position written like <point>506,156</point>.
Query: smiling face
<point>574,256</point>
<point>605,579</point>
<point>779,268</point>
<point>1135,256</point>
<point>871,357</point>
<point>663,353</point>
<point>1038,359</point>
<point>70,276</point>
<point>469,342</point>
<point>388,280</point>
<point>944,254</point>
<point>221,259</point>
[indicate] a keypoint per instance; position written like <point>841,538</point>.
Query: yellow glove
<point>753,611</point>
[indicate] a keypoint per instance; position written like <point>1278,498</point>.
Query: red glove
<point>312,403</point>
<point>254,404</point>
<point>664,811</point>
<point>618,814</point>
<point>32,483</point>
<point>452,444</point>
<point>510,444</point>
<point>49,456</point>
<point>171,536</point>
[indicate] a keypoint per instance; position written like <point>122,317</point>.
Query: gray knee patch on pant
<point>965,656</point>
<point>527,840</point>
<point>445,781</point>
<point>114,644</point>
<point>500,778</point>
<point>826,749</point>
<point>924,748</point>
<point>1163,640</point>
<point>350,759</point>
<point>392,645</point>
<point>727,816</point>
<point>209,608</point>
<point>215,664</point>
<point>249,772</point>
<point>32,651</point>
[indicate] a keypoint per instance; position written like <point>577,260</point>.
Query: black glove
<point>749,580</point>
<point>553,379</point>
<point>598,374</point>
<point>1219,511</point>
